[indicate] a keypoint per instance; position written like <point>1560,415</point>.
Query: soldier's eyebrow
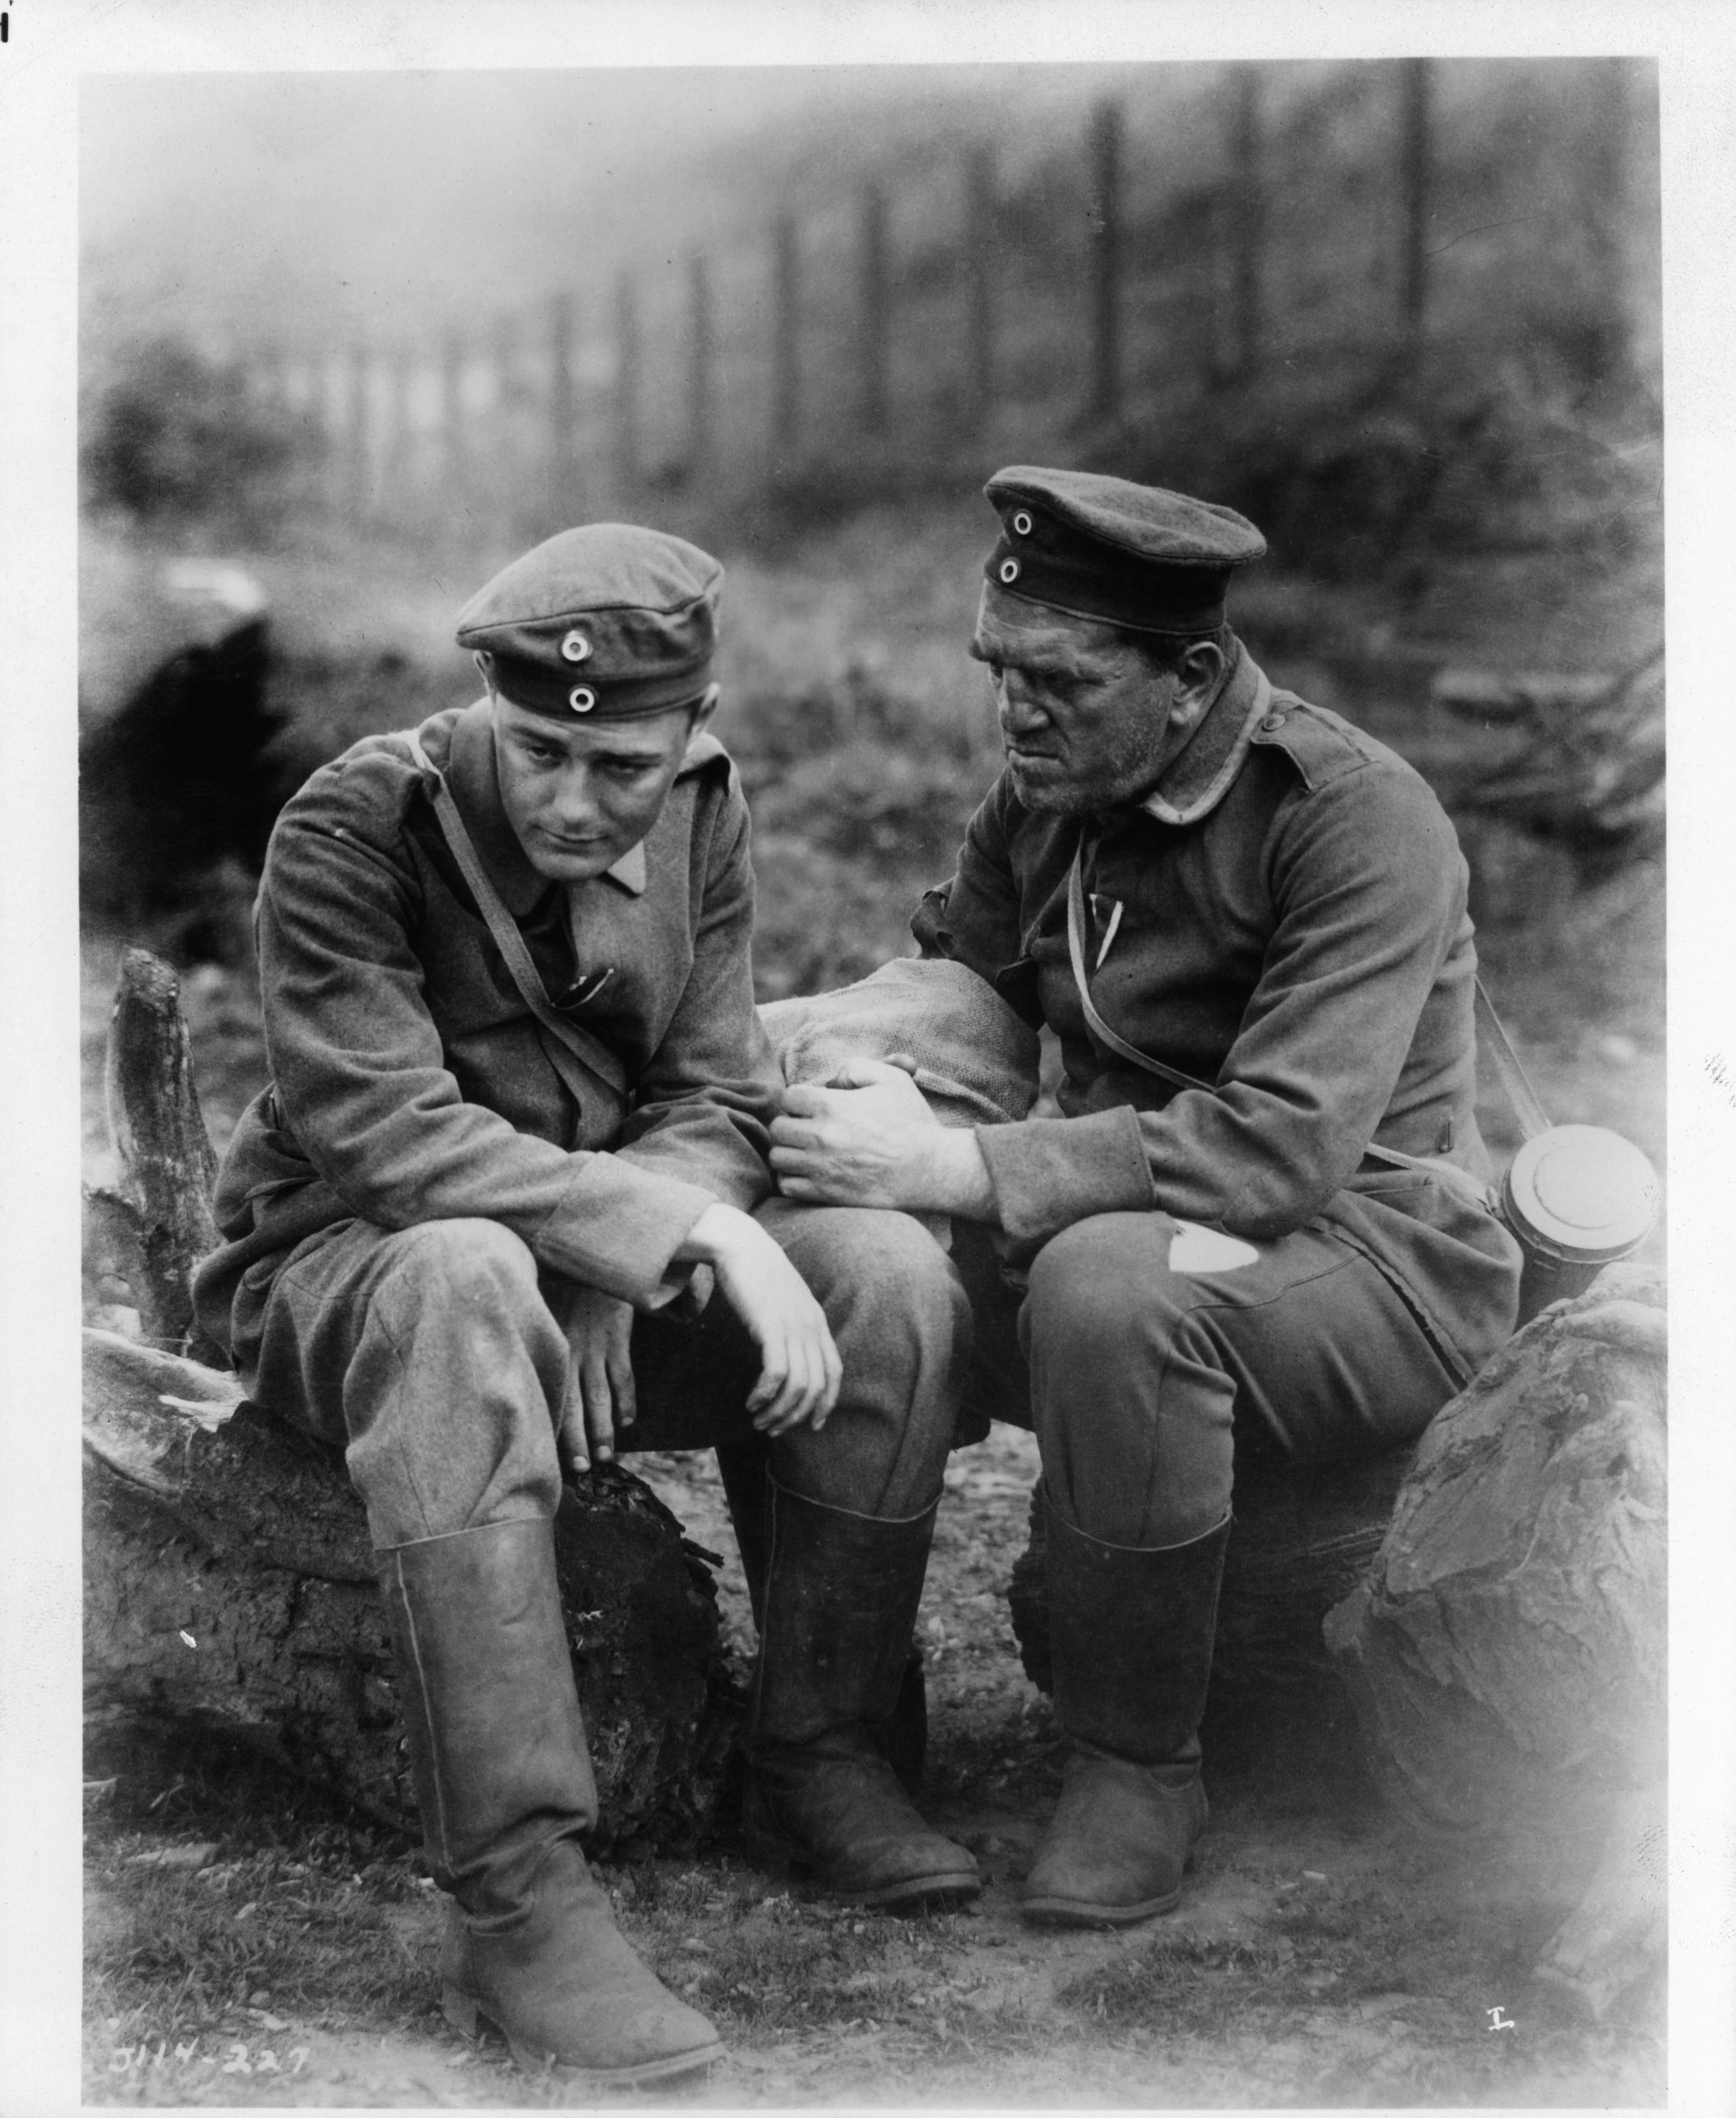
<point>1051,659</point>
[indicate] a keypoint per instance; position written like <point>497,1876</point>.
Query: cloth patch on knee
<point>1196,1249</point>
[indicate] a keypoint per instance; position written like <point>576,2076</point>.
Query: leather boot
<point>1131,1635</point>
<point>745,1469</point>
<point>840,1597</point>
<point>503,1779</point>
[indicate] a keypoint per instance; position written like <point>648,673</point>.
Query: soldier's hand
<point>869,1138</point>
<point>800,1373</point>
<point>599,1336</point>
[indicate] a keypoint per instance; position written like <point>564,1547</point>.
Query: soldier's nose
<point>575,801</point>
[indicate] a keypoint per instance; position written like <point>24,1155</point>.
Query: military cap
<point>608,620</point>
<point>1104,548</point>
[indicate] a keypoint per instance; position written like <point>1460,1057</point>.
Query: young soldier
<point>1245,922</point>
<point>514,1132</point>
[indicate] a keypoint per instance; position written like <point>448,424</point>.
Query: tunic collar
<point>474,780</point>
<point>1196,781</point>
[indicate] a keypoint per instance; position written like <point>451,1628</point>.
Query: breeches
<point>1144,1385</point>
<point>434,1356</point>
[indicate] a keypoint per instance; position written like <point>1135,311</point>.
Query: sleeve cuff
<point>1049,1173</point>
<point>728,1169</point>
<point>618,1229</point>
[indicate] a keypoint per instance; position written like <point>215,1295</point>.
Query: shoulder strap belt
<point>1530,1111</point>
<point>594,1057</point>
<point>1533,1118</point>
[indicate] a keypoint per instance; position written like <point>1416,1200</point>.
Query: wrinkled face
<point>579,795</point>
<point>1085,720</point>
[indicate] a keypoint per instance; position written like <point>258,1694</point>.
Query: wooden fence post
<point>786,327</point>
<point>626,382</point>
<point>979,240</point>
<point>358,436</point>
<point>1104,221</point>
<point>874,298</point>
<point>701,354</point>
<point>330,378</point>
<point>452,408</point>
<point>562,440</point>
<point>505,359</point>
<point>265,378</point>
<point>398,454</point>
<point>1250,222</point>
<point>1415,151</point>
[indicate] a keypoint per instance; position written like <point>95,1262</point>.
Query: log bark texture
<point>1509,1640</point>
<point>229,1589</point>
<point>1505,1656</point>
<point>228,1583</point>
<point>154,1228</point>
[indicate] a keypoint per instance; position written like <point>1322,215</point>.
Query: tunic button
<point>575,647</point>
<point>1009,570</point>
<point>1273,723</point>
<point>581,698</point>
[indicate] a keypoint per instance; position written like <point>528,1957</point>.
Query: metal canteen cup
<point>1577,1198</point>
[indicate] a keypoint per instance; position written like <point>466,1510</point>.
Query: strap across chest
<point>596,1065</point>
<point>1519,1090</point>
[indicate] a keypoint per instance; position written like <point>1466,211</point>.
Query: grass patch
<point>220,1891</point>
<point>1390,1987</point>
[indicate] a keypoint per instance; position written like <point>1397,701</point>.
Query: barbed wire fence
<point>901,331</point>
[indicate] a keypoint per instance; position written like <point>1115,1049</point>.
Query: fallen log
<point>228,1585</point>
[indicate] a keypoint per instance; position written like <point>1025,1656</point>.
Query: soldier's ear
<point>703,712</point>
<point>1200,670</point>
<point>485,665</point>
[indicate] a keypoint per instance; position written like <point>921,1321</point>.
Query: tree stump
<point>228,1583</point>
<point>1508,1641</point>
<point>1506,1655</point>
<point>155,1226</point>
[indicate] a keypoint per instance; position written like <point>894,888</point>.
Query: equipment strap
<point>1530,1111</point>
<point>1527,1108</point>
<point>595,1057</point>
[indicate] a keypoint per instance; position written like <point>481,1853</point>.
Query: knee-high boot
<point>743,1467</point>
<point>1131,1630</point>
<point>503,1778</point>
<point>841,1597</point>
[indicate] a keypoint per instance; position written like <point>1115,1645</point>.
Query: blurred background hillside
<point>350,342</point>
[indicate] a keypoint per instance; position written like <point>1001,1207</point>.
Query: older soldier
<point>1245,922</point>
<point>514,1132</point>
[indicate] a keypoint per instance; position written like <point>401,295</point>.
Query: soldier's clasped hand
<point>869,1138</point>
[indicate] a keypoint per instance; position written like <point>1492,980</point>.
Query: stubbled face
<point>579,796</point>
<point>1086,721</point>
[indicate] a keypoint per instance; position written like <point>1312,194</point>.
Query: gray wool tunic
<point>410,1082</point>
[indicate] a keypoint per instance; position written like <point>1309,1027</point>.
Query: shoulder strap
<point>1526,1107</point>
<point>594,1055</point>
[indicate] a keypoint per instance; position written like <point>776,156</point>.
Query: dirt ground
<point>248,1945</point>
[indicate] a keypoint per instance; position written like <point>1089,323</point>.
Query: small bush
<point>170,436</point>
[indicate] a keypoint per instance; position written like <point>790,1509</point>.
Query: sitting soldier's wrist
<point>712,1235</point>
<point>960,1182</point>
